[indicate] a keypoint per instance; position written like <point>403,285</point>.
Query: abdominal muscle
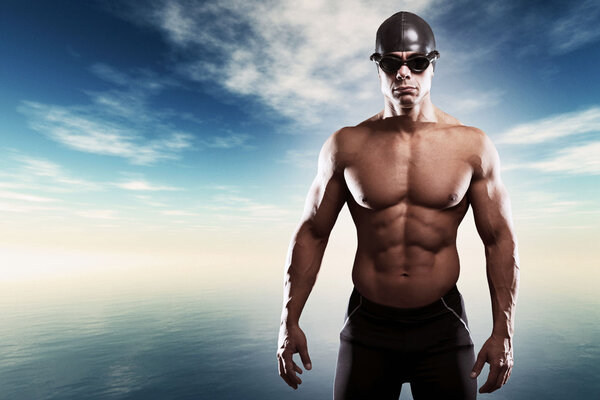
<point>407,261</point>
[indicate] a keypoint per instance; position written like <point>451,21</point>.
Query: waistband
<point>451,299</point>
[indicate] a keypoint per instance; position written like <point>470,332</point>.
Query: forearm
<point>503,279</point>
<point>302,267</point>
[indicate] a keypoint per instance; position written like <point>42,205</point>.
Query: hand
<point>292,340</point>
<point>496,351</point>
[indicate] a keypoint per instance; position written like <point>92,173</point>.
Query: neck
<point>422,112</point>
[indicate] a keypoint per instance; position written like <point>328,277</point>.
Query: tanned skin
<point>408,175</point>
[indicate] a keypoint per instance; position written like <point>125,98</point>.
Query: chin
<point>408,103</point>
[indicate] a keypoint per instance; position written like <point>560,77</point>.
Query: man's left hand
<point>496,351</point>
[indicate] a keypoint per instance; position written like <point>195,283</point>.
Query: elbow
<point>499,237</point>
<point>310,231</point>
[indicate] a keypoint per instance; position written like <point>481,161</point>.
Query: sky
<point>183,135</point>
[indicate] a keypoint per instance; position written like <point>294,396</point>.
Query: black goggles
<point>391,63</point>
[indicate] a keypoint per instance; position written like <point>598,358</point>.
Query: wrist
<point>502,334</point>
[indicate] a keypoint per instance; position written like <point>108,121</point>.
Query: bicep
<point>326,196</point>
<point>491,209</point>
<point>489,198</point>
<point>324,202</point>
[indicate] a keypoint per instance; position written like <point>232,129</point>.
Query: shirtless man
<point>408,175</point>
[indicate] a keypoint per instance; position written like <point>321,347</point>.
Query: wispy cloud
<point>179,213</point>
<point>121,122</point>
<point>472,101</point>
<point>227,142</point>
<point>577,28</point>
<point>81,130</point>
<point>150,201</point>
<point>127,100</point>
<point>584,159</point>
<point>554,127</point>
<point>228,207</point>
<point>98,214</point>
<point>535,204</point>
<point>301,158</point>
<point>44,170</point>
<point>142,185</point>
<point>19,207</point>
<point>25,197</point>
<point>576,160</point>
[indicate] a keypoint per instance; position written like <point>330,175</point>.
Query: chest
<point>429,173</point>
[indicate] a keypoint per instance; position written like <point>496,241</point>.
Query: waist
<point>452,298</point>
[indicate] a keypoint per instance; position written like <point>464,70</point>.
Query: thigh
<point>445,375</point>
<point>366,373</point>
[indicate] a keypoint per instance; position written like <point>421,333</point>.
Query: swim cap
<point>404,31</point>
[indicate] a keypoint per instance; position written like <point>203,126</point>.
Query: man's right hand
<point>292,340</point>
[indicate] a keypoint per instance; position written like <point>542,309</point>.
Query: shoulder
<point>481,151</point>
<point>446,118</point>
<point>343,145</point>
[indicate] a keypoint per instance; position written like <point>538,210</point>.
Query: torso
<point>407,184</point>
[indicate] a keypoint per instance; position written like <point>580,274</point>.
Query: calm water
<point>211,344</point>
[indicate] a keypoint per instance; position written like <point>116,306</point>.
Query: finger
<point>297,368</point>
<point>501,377</point>
<point>506,376</point>
<point>479,363</point>
<point>289,371</point>
<point>283,374</point>
<point>303,350</point>
<point>491,380</point>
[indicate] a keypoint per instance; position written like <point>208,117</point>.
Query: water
<point>217,344</point>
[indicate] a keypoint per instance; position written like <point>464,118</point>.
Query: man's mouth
<point>403,89</point>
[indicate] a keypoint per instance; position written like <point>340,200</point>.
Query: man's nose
<point>403,72</point>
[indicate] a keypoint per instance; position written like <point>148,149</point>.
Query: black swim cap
<point>404,31</point>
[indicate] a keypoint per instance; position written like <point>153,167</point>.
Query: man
<point>408,175</point>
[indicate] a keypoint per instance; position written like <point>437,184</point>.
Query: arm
<point>491,209</point>
<point>326,198</point>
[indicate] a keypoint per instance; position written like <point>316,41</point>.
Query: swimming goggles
<point>391,63</point>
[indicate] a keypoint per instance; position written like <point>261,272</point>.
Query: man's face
<point>405,87</point>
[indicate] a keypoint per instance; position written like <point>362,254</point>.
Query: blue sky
<point>128,121</point>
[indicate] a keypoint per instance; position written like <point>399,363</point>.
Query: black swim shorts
<point>382,347</point>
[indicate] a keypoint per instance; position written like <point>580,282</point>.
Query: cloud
<point>577,28</point>
<point>98,214</point>
<point>149,201</point>
<point>80,129</point>
<point>303,59</point>
<point>227,142</point>
<point>24,208</point>
<point>535,204</point>
<point>127,98</point>
<point>584,160</point>
<point>38,167</point>
<point>308,60</point>
<point>179,213</point>
<point>554,127</point>
<point>24,197</point>
<point>120,122</point>
<point>301,158</point>
<point>232,207</point>
<point>472,101</point>
<point>141,185</point>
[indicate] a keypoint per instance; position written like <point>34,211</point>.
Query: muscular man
<point>408,175</point>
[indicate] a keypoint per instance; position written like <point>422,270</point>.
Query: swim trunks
<point>382,347</point>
